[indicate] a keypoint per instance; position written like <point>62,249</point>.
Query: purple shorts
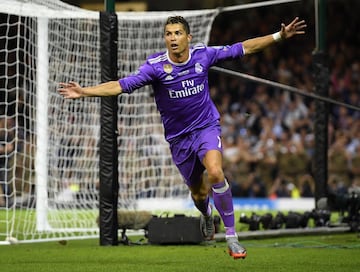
<point>189,150</point>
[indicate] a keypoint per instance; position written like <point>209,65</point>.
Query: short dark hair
<point>178,20</point>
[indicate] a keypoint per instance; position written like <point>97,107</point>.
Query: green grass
<point>319,253</point>
<point>337,252</point>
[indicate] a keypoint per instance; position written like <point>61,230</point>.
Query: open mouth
<point>174,46</point>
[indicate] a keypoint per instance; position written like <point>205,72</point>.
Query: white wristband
<point>277,36</point>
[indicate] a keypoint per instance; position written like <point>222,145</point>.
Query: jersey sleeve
<point>219,53</point>
<point>145,75</point>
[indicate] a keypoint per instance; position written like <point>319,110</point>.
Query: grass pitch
<point>316,253</point>
<point>336,252</point>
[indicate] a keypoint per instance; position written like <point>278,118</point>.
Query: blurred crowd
<point>268,133</point>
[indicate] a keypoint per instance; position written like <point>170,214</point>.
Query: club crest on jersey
<point>198,68</point>
<point>168,68</point>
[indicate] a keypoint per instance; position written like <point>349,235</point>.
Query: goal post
<point>109,176</point>
<point>41,165</point>
<point>57,141</point>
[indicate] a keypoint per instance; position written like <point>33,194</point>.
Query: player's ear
<point>189,37</point>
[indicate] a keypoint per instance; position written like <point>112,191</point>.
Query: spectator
<point>239,167</point>
<point>355,167</point>
<point>7,148</point>
<point>339,159</point>
<point>265,149</point>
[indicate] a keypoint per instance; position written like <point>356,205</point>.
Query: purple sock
<point>223,202</point>
<point>203,206</point>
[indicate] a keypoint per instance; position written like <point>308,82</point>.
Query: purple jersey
<point>181,89</point>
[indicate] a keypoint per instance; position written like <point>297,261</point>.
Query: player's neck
<point>179,57</point>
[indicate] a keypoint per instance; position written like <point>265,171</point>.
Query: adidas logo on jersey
<point>169,77</point>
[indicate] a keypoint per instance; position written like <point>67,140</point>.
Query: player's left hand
<point>294,28</point>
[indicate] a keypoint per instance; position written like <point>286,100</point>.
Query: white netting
<point>52,173</point>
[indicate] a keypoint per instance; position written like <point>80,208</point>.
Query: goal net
<point>49,147</point>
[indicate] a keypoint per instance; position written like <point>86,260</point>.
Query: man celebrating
<point>179,78</point>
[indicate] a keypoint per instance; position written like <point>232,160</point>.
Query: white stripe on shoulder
<point>199,46</point>
<point>158,59</point>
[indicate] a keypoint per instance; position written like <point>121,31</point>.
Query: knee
<point>215,174</point>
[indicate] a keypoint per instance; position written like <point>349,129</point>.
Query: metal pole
<point>109,184</point>
<point>109,5</point>
<point>321,76</point>
<point>320,21</point>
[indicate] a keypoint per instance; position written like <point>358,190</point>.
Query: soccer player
<point>179,77</point>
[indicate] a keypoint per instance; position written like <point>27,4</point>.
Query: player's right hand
<point>70,90</point>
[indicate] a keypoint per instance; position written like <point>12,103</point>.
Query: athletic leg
<point>200,196</point>
<point>220,189</point>
<point>223,201</point>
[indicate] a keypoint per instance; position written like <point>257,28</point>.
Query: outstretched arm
<point>257,44</point>
<point>73,90</point>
